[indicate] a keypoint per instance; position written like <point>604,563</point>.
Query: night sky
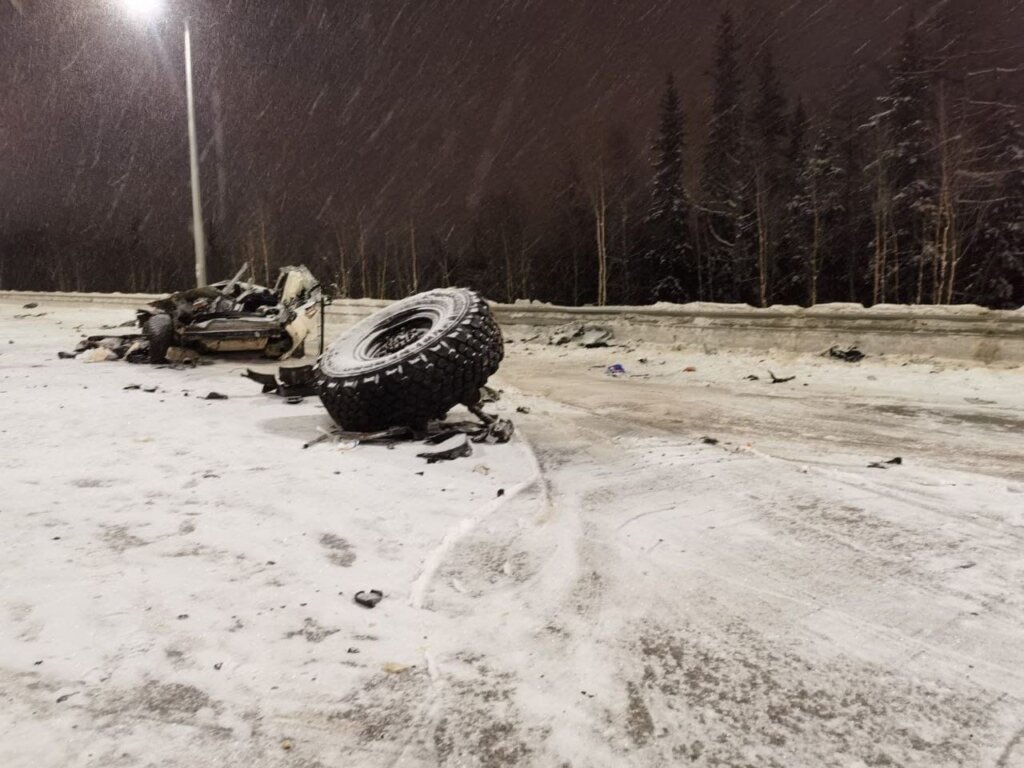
<point>314,110</point>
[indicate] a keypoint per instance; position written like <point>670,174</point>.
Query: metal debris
<point>454,446</point>
<point>851,355</point>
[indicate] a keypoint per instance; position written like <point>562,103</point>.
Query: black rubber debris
<point>215,396</point>
<point>452,446</point>
<point>368,599</point>
<point>886,464</point>
<point>851,355</point>
<point>289,383</point>
<point>777,380</point>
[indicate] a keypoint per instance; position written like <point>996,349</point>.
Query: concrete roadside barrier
<point>958,332</point>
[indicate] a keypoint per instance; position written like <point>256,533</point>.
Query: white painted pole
<point>193,146</point>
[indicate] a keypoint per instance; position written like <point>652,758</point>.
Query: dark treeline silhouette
<point>905,190</point>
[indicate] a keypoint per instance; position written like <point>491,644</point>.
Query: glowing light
<point>142,9</point>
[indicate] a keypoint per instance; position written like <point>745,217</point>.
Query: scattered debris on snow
<point>290,382</point>
<point>368,599</point>
<point>886,464</point>
<point>452,446</point>
<point>850,355</point>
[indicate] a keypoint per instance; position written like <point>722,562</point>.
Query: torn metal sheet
<point>289,383</point>
<point>455,447</point>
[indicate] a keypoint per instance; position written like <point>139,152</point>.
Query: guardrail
<point>962,332</point>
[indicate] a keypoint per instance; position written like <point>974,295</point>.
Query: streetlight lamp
<point>148,10</point>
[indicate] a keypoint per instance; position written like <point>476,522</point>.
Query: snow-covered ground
<point>178,573</point>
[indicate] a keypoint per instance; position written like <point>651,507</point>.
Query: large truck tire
<point>159,332</point>
<point>411,362</point>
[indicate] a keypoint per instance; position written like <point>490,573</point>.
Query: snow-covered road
<point>178,574</point>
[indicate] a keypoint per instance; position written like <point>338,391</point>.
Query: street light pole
<point>198,232</point>
<point>150,9</point>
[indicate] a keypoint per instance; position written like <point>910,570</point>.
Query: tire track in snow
<point>459,531</point>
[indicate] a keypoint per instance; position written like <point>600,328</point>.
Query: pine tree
<point>998,276</point>
<point>909,171</point>
<point>668,248</point>
<point>768,130</point>
<point>789,272</point>
<point>722,178</point>
<point>816,209</point>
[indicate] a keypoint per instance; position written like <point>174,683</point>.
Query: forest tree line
<point>911,195</point>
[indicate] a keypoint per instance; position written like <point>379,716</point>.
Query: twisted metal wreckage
<point>395,375</point>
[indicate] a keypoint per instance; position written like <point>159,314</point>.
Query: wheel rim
<point>396,334</point>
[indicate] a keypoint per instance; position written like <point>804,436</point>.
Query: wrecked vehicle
<point>236,316</point>
<point>413,361</point>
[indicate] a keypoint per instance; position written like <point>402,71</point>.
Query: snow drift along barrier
<point>962,332</point>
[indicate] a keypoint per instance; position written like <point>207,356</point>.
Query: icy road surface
<point>177,580</point>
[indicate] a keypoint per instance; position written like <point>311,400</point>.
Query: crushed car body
<point>229,316</point>
<point>236,316</point>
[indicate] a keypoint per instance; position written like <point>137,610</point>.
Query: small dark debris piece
<point>65,697</point>
<point>352,650</point>
<point>689,369</point>
<point>498,431</point>
<point>777,380</point>
<point>30,305</point>
<point>218,665</point>
<point>36,663</point>
<point>150,390</point>
<point>453,447</point>
<point>182,616</point>
<point>967,565</point>
<point>501,492</point>
<point>751,377</point>
<point>851,355</point>
<point>369,599</point>
<point>66,355</point>
<point>267,380</point>
<point>290,382</point>
<point>886,464</point>
<point>215,396</point>
<point>709,441</point>
<point>295,400</point>
<point>522,409</point>
<point>133,386</point>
